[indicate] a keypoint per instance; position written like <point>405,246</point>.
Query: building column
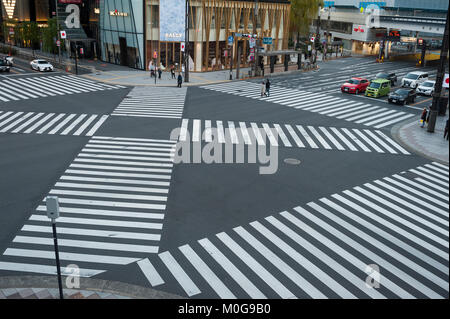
<point>198,56</point>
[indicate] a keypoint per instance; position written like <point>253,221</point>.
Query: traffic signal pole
<point>186,45</point>
<point>439,80</point>
<point>59,35</point>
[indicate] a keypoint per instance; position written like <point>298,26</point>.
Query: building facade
<point>363,25</point>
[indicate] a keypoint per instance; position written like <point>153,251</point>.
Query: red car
<point>355,85</point>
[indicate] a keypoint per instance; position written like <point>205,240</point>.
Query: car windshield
<point>374,85</point>
<point>353,81</point>
<point>42,62</point>
<point>412,76</point>
<point>401,92</point>
<point>428,84</point>
<point>382,75</point>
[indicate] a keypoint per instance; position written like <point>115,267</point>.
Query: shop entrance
<point>170,54</point>
<point>123,51</point>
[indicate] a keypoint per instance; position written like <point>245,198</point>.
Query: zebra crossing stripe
<point>50,124</point>
<point>216,284</point>
<point>21,119</point>
<point>220,132</point>
<point>49,270</point>
<point>398,242</point>
<point>431,172</point>
<point>414,198</point>
<point>257,134</point>
<point>183,279</point>
<point>383,221</point>
<point>356,140</point>
<point>291,273</point>
<point>245,133</point>
<point>208,131</point>
<point>398,119</point>
<point>437,169</point>
<point>440,165</point>
<point>183,130</point>
<point>233,133</point>
<point>102,259</point>
<point>382,247</point>
<point>21,127</point>
<point>85,125</point>
<point>373,256</point>
<point>331,138</point>
<point>319,137</point>
<point>232,270</point>
<point>307,137</point>
<point>430,184</point>
<point>390,141</point>
<point>294,135</point>
<point>150,272</point>
<point>421,187</point>
<point>97,125</point>
<point>256,267</point>
<point>92,232</point>
<point>269,134</point>
<point>368,141</point>
<point>60,125</point>
<point>10,118</point>
<point>282,135</point>
<point>196,135</point>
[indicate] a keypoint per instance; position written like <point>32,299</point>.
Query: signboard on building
<point>252,42</point>
<point>445,83</point>
<point>172,14</point>
<point>267,40</point>
<point>69,20</point>
<point>230,40</point>
<point>63,34</point>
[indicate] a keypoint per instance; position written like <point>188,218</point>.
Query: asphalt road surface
<point>344,202</point>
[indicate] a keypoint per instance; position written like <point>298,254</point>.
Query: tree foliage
<point>49,36</point>
<point>302,14</point>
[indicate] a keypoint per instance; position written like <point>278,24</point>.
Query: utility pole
<point>255,21</point>
<point>317,37</point>
<point>59,35</point>
<point>328,33</point>
<point>439,80</point>
<point>186,45</point>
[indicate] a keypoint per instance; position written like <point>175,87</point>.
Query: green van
<point>378,87</point>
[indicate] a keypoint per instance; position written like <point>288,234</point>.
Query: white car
<point>41,65</point>
<point>9,59</point>
<point>426,88</point>
<point>414,79</point>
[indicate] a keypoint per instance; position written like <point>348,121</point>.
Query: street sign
<point>230,40</point>
<point>252,50</point>
<point>58,43</point>
<point>312,39</point>
<point>252,42</point>
<point>182,46</point>
<point>63,34</point>
<point>267,40</point>
<point>309,47</point>
<point>445,83</point>
<point>237,34</point>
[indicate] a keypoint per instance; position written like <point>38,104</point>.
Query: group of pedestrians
<point>155,69</point>
<point>265,88</point>
<point>425,118</point>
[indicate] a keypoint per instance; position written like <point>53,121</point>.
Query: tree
<point>49,36</point>
<point>302,14</point>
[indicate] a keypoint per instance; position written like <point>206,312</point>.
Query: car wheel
<point>357,92</point>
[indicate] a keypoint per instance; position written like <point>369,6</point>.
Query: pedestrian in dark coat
<point>423,117</point>
<point>446,130</point>
<point>267,93</point>
<point>179,80</point>
<point>159,73</point>
<point>172,71</point>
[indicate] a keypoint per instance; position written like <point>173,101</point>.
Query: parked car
<point>414,79</point>
<point>378,88</point>
<point>355,85</point>
<point>388,76</point>
<point>41,65</point>
<point>4,67</point>
<point>402,96</point>
<point>9,59</point>
<point>426,88</point>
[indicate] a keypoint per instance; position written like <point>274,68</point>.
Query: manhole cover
<point>292,161</point>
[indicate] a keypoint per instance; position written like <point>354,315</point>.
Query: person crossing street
<point>267,93</point>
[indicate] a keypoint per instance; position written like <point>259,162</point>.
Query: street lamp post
<point>255,22</point>
<point>186,45</point>
<point>439,80</point>
<point>59,35</point>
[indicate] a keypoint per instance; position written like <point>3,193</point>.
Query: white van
<point>414,79</point>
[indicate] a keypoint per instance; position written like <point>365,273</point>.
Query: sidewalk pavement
<point>46,287</point>
<point>430,145</point>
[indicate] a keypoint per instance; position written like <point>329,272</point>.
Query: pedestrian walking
<point>150,67</point>
<point>179,80</point>
<point>446,131</point>
<point>423,117</point>
<point>267,93</point>
<point>159,72</point>
<point>263,88</point>
<point>172,71</point>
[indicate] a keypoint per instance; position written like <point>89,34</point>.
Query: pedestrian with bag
<point>159,72</point>
<point>267,93</point>
<point>263,88</point>
<point>423,117</point>
<point>179,80</point>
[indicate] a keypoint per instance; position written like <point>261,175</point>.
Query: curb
<point>88,76</point>
<point>89,284</point>
<point>395,132</point>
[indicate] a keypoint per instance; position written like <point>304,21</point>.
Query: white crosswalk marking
<point>108,216</point>
<point>341,139</point>
<point>48,86</point>
<point>322,250</point>
<point>318,102</point>
<point>150,272</point>
<point>51,123</point>
<point>153,102</point>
